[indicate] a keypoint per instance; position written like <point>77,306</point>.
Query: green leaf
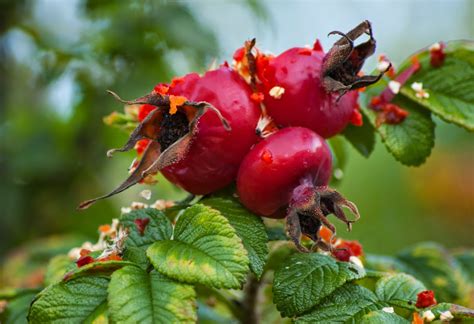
<point>104,268</point>
<point>381,317</point>
<point>450,86</point>
<point>399,290</point>
<point>79,300</point>
<point>17,308</point>
<point>279,254</point>
<point>348,303</point>
<point>466,261</point>
<point>459,312</point>
<point>411,141</point>
<point>362,137</point>
<point>306,278</point>
<point>158,229</point>
<point>136,296</point>
<point>276,233</point>
<point>248,227</point>
<point>432,264</point>
<point>205,249</point>
<point>57,268</point>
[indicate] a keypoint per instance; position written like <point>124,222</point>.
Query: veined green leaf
<point>158,229</point>
<point>411,141</point>
<point>305,279</point>
<point>136,296</point>
<point>450,86</point>
<point>382,317</point>
<point>57,268</point>
<point>205,249</point>
<point>248,227</point>
<point>79,300</point>
<point>431,264</point>
<point>347,304</point>
<point>399,290</point>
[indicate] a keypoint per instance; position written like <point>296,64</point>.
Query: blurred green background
<point>57,58</point>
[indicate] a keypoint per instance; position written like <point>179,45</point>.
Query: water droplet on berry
<point>267,157</point>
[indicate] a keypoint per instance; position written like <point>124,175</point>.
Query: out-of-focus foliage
<point>54,73</point>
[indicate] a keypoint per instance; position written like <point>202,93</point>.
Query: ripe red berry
<point>309,88</point>
<point>305,102</point>
<point>287,174</point>
<point>215,154</point>
<point>199,131</point>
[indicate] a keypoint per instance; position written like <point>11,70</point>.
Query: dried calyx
<point>343,62</point>
<point>170,128</point>
<point>308,211</point>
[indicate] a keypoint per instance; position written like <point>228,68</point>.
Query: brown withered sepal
<point>343,62</point>
<point>170,136</point>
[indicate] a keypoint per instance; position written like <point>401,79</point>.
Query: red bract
<point>215,154</point>
<point>287,174</point>
<point>425,299</point>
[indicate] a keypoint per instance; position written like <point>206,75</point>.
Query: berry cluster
<point>261,122</point>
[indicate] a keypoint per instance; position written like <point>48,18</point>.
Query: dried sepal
<point>147,129</point>
<point>305,217</point>
<point>160,154</point>
<point>144,168</point>
<point>343,62</point>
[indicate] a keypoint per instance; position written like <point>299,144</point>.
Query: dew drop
<point>267,157</point>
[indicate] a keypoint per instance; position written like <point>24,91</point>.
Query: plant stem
<point>250,302</point>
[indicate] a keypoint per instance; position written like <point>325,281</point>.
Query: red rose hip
<point>305,102</point>
<point>309,88</point>
<point>286,175</point>
<point>214,157</point>
<point>199,132</point>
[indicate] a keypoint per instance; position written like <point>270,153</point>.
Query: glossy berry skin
<point>278,165</point>
<point>305,102</point>
<point>215,154</point>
